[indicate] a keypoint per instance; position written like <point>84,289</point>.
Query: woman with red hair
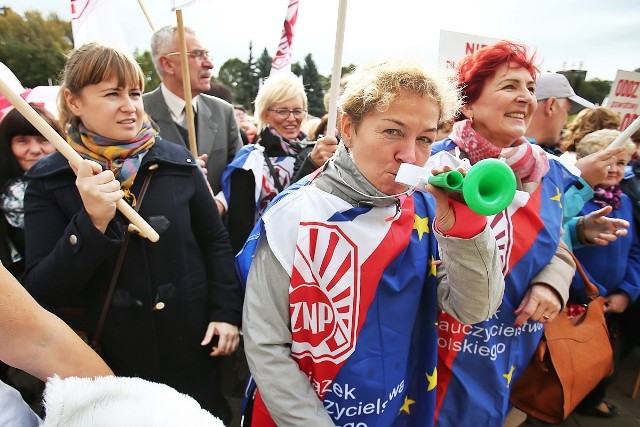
<point>478,364</point>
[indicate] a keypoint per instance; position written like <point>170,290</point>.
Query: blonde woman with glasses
<point>263,169</point>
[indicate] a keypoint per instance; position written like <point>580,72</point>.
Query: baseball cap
<point>557,85</point>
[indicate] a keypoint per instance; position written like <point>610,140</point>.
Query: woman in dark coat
<point>172,296</point>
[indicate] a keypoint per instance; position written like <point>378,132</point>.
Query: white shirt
<point>176,104</point>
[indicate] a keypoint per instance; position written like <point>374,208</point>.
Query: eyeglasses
<point>284,113</point>
<point>201,54</point>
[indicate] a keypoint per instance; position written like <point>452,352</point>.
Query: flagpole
<point>186,85</point>
<point>141,226</point>
<point>146,15</point>
<point>626,134</point>
<point>337,68</point>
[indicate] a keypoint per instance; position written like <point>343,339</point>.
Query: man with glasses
<point>217,135</point>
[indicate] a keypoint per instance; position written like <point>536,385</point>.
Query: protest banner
<point>454,46</point>
<point>624,97</point>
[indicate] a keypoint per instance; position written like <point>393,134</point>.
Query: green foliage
<point>233,73</point>
<point>595,90</point>
<point>313,86</point>
<point>263,64</point>
<point>33,47</point>
<point>250,84</point>
<point>151,78</point>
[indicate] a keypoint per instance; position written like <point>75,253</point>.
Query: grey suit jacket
<point>217,134</point>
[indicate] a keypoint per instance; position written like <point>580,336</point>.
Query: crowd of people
<point>295,281</point>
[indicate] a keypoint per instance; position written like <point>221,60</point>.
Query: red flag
<point>282,60</point>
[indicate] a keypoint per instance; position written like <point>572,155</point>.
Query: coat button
<point>158,306</point>
<point>188,160</point>
<point>73,239</point>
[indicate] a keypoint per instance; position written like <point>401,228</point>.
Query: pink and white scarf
<point>528,161</point>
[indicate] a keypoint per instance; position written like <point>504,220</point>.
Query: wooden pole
<point>146,15</point>
<point>143,228</point>
<point>186,85</point>
<point>334,91</point>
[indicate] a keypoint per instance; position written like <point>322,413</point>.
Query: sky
<point>598,36</point>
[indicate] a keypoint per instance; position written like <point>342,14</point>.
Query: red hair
<point>475,69</point>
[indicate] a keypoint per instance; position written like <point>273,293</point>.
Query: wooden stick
<point>186,86</point>
<point>146,15</point>
<point>626,134</point>
<point>334,91</point>
<point>143,228</point>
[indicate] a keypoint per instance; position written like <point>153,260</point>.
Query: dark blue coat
<point>69,264</point>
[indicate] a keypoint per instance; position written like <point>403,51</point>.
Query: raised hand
<point>100,191</point>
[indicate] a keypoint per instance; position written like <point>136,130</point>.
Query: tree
<point>263,64</point>
<point>233,74</point>
<point>34,48</point>
<point>151,78</point>
<point>250,84</point>
<point>313,86</point>
<point>595,90</point>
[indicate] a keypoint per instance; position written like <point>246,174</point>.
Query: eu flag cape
<point>362,302</point>
<point>478,364</point>
<point>251,158</point>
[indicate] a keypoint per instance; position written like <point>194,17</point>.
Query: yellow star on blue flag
<point>421,225</point>
<point>509,375</point>
<point>432,266</point>
<point>405,406</point>
<point>557,197</point>
<point>432,379</point>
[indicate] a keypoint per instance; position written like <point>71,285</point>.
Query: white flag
<point>181,4</point>
<point>97,21</point>
<point>282,61</point>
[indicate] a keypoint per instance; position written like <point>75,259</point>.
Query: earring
<point>347,143</point>
<point>471,119</point>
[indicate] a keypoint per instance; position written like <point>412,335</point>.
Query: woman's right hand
<point>100,191</point>
<point>445,214</point>
<point>323,150</point>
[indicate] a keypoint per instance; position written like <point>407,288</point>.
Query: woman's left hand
<point>541,303</point>
<point>445,215</point>
<point>228,338</point>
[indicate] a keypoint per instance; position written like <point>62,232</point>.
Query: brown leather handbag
<point>573,356</point>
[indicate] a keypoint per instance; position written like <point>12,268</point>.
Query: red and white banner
<point>624,97</point>
<point>97,21</point>
<point>282,60</point>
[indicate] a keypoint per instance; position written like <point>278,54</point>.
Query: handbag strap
<point>274,174</point>
<point>592,293</point>
<point>589,287</point>
<point>95,340</point>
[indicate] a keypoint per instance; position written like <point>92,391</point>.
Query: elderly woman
<point>615,268</point>
<point>341,298</point>
<point>21,145</point>
<point>478,365</point>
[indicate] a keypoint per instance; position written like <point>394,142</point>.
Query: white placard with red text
<point>625,97</point>
<point>454,46</point>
